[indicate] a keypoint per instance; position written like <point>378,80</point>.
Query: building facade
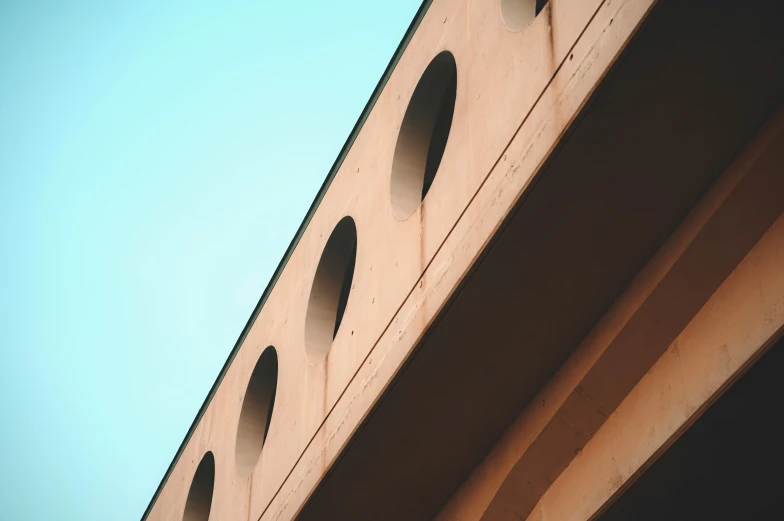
<point>544,280</point>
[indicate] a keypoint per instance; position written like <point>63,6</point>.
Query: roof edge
<point>293,244</point>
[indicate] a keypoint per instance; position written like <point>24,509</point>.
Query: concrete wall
<point>516,95</point>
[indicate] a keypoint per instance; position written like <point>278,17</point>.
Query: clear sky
<point>155,162</point>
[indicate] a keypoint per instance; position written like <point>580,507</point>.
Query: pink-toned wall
<point>517,93</point>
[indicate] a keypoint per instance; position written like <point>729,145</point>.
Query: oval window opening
<point>199,501</point>
<point>256,413</point>
<point>423,135</point>
<point>518,14</point>
<point>330,290</point>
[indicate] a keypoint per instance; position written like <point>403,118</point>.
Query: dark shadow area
<point>256,413</point>
<point>423,135</point>
<point>330,290</point>
<point>440,134</point>
<point>345,289</point>
<point>199,501</point>
<point>728,465</point>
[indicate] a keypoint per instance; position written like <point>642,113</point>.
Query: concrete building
<point>543,280</point>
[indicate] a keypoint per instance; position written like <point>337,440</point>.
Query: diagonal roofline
<point>420,14</point>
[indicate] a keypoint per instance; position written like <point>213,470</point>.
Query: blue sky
<point>155,162</point>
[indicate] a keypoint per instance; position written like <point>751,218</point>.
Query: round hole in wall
<point>256,413</point>
<point>199,501</point>
<point>423,135</point>
<point>330,290</point>
<point>518,14</point>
